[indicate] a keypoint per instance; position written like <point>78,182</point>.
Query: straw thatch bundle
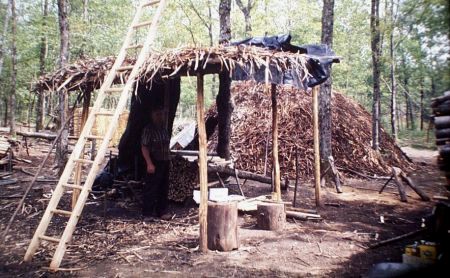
<point>88,75</point>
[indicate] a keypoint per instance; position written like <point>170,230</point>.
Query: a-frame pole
<point>315,93</point>
<point>203,210</point>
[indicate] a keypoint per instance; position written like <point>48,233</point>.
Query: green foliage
<point>420,33</point>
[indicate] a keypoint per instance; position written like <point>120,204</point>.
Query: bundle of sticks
<point>441,111</point>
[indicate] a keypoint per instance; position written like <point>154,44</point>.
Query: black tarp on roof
<point>319,58</point>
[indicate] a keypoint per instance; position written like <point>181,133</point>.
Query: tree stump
<point>271,216</point>
<point>222,226</point>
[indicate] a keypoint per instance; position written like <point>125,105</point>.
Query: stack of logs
<point>4,146</point>
<point>183,178</point>
<point>441,111</point>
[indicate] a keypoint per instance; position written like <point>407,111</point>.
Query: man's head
<point>158,116</point>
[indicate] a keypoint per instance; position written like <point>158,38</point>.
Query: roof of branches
<point>242,62</point>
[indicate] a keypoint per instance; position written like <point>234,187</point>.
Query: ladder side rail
<point>76,153</point>
<point>59,253</point>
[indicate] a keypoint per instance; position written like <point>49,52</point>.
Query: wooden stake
<point>315,91</point>
<point>203,171</point>
<point>276,164</point>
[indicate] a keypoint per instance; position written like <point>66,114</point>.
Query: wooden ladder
<point>70,179</point>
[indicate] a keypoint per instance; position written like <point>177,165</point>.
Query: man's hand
<point>150,168</point>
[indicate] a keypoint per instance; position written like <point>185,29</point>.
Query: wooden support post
<point>223,226</point>
<point>276,163</point>
<point>315,92</point>
<point>294,203</point>
<point>203,210</point>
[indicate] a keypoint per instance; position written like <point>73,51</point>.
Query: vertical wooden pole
<point>167,104</point>
<point>315,92</point>
<point>78,170</point>
<point>276,164</point>
<point>203,211</point>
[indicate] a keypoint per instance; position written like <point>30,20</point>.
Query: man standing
<point>155,150</point>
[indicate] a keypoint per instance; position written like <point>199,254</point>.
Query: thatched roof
<point>242,62</point>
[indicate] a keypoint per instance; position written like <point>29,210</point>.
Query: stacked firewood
<point>251,141</point>
<point>4,146</point>
<point>182,179</point>
<point>441,111</point>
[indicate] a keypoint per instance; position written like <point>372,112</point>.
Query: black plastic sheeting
<point>319,59</point>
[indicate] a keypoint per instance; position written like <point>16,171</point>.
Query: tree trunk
<point>392,76</point>
<point>86,24</point>
<point>223,99</point>
<point>224,111</point>
<point>12,99</point>
<point>421,108</point>
<point>62,96</point>
<point>5,115</point>
<point>325,113</point>
<point>225,21</point>
<point>246,10</point>
<point>40,111</point>
<point>4,34</point>
<point>376,53</point>
<point>406,111</point>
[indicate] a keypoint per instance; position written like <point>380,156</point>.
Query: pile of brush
<point>351,134</point>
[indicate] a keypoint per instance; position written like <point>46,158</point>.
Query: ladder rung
<point>142,24</point>
<point>92,137</point>
<point>150,3</point>
<point>104,114</point>
<point>125,68</point>
<point>114,90</point>
<point>73,186</point>
<point>134,46</point>
<point>62,212</point>
<point>48,238</point>
<point>85,161</point>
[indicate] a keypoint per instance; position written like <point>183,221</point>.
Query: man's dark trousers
<point>156,188</point>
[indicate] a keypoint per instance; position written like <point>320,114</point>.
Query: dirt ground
<point>112,240</point>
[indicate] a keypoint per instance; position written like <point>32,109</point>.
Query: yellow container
<point>428,250</point>
<point>412,250</point>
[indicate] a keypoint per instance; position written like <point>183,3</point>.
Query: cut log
<point>223,226</point>
<point>443,141</point>
<point>443,109</point>
<point>401,189</point>
<point>442,122</point>
<point>302,215</point>
<point>241,174</point>
<point>443,133</point>
<point>271,216</point>
<point>419,192</point>
<point>435,102</point>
